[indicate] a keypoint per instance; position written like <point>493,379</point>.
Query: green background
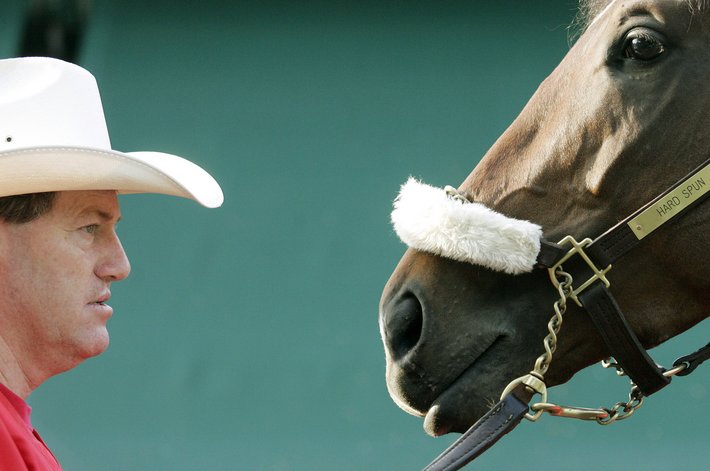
<point>246,337</point>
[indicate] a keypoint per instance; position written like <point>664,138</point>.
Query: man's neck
<point>12,375</point>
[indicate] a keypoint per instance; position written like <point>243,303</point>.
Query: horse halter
<point>446,223</point>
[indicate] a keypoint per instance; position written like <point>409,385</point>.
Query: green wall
<point>10,27</point>
<point>246,337</point>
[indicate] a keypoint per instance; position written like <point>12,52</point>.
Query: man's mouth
<point>101,300</point>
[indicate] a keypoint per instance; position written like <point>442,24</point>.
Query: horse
<point>623,116</point>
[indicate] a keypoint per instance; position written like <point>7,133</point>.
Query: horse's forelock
<point>590,9</point>
<point>698,6</point>
<point>587,11</point>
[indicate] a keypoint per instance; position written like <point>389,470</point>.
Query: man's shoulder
<point>20,446</point>
<point>10,454</point>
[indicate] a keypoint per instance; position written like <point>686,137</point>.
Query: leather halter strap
<point>608,319</point>
<point>606,249</point>
<point>620,339</point>
<point>620,239</point>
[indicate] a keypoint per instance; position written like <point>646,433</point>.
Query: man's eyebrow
<point>103,215</point>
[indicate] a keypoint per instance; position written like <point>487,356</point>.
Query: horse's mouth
<point>463,401</point>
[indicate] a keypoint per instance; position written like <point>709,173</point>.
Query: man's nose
<point>114,264</point>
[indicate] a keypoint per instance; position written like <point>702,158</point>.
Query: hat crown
<point>49,102</point>
<point>53,137</point>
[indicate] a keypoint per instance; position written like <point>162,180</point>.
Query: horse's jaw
<point>452,380</point>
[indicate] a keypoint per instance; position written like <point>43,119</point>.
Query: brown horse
<point>624,116</point>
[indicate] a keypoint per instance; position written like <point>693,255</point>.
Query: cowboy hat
<point>53,137</point>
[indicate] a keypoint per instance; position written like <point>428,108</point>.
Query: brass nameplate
<point>673,203</point>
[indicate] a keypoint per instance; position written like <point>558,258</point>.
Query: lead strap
<point>490,428</point>
<point>693,360</point>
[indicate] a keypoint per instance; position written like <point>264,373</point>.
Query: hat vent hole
<point>8,139</point>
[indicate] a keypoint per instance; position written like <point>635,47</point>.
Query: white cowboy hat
<point>53,137</point>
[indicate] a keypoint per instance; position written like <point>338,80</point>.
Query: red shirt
<point>21,448</point>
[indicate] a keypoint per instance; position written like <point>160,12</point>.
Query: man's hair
<point>19,209</point>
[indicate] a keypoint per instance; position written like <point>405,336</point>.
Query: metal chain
<point>624,410</point>
<point>603,416</point>
<point>621,410</point>
<point>564,288</point>
<point>534,381</point>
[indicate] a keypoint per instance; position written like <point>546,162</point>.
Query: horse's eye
<point>642,44</point>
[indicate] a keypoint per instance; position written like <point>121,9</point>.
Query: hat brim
<point>43,169</point>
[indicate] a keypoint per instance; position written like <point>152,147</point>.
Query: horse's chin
<point>455,400</point>
<point>453,411</point>
<point>458,406</point>
<point>451,414</point>
<point>439,422</point>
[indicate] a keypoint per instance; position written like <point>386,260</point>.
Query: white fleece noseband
<point>427,218</point>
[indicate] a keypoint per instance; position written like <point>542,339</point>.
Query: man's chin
<point>95,344</point>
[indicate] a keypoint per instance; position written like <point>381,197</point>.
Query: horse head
<point>622,117</point>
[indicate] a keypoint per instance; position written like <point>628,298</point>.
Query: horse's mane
<point>589,9</point>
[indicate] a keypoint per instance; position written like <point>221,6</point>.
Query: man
<point>59,251</point>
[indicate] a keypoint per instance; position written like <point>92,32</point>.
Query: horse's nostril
<point>404,324</point>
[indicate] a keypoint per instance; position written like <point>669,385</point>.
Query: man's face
<point>55,277</point>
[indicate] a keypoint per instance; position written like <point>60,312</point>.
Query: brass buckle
<point>534,384</point>
<point>578,248</point>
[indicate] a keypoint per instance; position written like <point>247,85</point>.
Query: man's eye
<point>90,229</point>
